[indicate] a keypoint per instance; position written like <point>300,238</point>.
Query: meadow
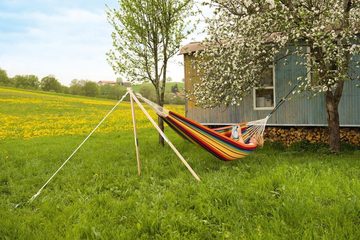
<point>301,192</point>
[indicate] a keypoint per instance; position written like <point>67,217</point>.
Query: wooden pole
<point>135,135</point>
<point>132,95</point>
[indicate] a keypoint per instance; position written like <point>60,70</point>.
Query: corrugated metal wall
<point>300,110</point>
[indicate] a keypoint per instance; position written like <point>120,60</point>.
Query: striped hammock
<point>216,141</point>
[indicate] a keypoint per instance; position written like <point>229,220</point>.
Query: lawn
<point>301,192</point>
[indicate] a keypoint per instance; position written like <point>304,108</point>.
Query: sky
<point>65,38</point>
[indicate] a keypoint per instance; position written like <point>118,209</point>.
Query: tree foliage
<point>84,87</point>
<point>91,89</point>
<point>26,81</point>
<point>4,79</point>
<point>77,87</point>
<point>247,36</point>
<point>147,33</point>
<point>50,83</point>
<point>111,91</point>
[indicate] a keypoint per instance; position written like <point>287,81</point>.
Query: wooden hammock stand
<point>134,98</point>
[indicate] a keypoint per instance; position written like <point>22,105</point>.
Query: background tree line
<point>87,87</point>
<point>48,83</point>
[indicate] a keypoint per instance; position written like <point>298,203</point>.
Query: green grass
<point>276,193</point>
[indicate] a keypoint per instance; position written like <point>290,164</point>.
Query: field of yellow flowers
<point>26,114</point>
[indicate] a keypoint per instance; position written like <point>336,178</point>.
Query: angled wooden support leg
<point>135,134</point>
<point>132,95</point>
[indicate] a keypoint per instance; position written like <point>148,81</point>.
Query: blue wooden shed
<point>278,80</point>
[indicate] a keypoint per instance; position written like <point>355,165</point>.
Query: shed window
<point>264,96</point>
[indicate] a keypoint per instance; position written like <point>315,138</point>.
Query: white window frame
<point>272,87</point>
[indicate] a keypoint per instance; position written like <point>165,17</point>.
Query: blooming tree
<point>245,37</point>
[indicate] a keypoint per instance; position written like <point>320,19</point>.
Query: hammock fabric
<point>216,141</point>
<point>211,140</point>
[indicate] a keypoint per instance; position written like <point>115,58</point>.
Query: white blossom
<point>246,36</point>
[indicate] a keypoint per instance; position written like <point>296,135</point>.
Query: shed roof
<point>198,46</point>
<point>192,47</point>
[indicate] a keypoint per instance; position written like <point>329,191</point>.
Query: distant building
<point>103,82</point>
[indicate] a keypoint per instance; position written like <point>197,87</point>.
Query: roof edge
<point>191,47</point>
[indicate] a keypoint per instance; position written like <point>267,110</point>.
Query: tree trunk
<point>333,97</point>
<point>332,104</point>
<point>333,123</point>
<point>161,126</point>
<point>160,102</point>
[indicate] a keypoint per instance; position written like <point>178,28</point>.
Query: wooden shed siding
<point>302,109</point>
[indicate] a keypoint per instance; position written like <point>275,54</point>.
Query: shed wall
<point>301,110</point>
